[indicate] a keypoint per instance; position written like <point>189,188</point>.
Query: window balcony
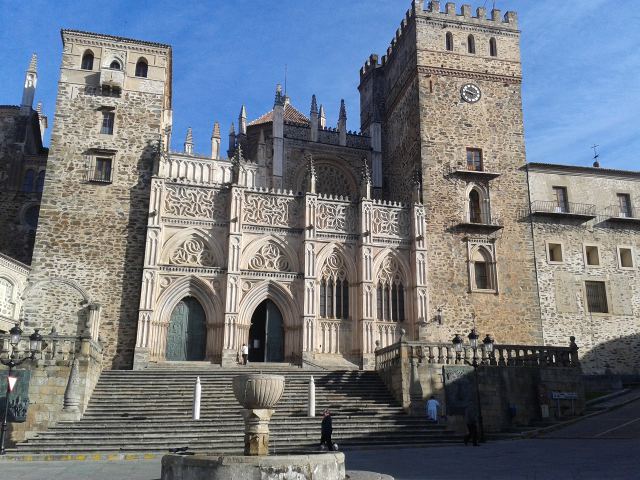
<point>112,78</point>
<point>569,210</point>
<point>481,223</point>
<point>628,215</point>
<point>464,171</point>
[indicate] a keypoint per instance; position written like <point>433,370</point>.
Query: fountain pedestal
<point>256,430</point>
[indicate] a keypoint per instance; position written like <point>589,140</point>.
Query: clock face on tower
<point>470,93</point>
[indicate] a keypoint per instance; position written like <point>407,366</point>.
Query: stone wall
<point>91,236</point>
<point>609,342</point>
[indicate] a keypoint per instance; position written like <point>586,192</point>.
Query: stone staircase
<point>149,411</point>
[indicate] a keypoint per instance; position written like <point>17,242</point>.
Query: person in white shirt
<point>245,353</point>
<point>432,409</point>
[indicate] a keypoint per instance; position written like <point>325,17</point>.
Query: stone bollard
<point>258,394</point>
<point>197,395</point>
<point>311,407</point>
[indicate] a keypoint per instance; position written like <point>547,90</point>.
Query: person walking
<point>327,430</point>
<point>471,419</point>
<point>432,409</point>
<point>245,353</point>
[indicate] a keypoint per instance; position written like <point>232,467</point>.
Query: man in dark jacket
<point>327,430</point>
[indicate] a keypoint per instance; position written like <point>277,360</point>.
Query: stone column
<point>365,328</point>
<point>256,430</point>
<point>309,339</point>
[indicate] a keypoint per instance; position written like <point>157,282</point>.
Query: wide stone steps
<point>150,411</point>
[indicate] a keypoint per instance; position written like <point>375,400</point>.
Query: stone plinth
<point>327,466</point>
<point>256,430</point>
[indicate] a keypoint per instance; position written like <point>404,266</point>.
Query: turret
<point>30,82</point>
<point>215,141</point>
<point>188,143</point>
<point>313,117</point>
<point>342,124</point>
<point>278,137</point>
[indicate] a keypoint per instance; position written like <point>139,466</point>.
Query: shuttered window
<point>597,297</point>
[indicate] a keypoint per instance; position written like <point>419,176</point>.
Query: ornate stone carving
<point>334,267</point>
<point>389,271</point>
<point>337,217</point>
<point>193,202</point>
<point>269,210</point>
<point>389,221</point>
<point>269,258</point>
<point>192,252</point>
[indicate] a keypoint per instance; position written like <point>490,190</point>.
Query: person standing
<point>471,419</point>
<point>432,409</point>
<point>327,430</point>
<point>245,353</point>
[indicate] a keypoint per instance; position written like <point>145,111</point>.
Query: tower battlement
<point>509,20</point>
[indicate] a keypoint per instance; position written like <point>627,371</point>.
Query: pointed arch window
<point>27,182</point>
<point>449,41</point>
<point>390,293</point>
<point>475,207</point>
<point>115,65</point>
<point>482,268</point>
<point>334,289</point>
<point>471,44</point>
<point>87,60</point>
<point>142,68</point>
<point>493,47</point>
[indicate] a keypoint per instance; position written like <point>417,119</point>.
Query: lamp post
<point>487,346</point>
<point>35,346</point>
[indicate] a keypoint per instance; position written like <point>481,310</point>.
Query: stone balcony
<point>627,216</point>
<point>112,78</point>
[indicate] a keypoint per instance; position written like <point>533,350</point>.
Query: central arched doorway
<point>266,334</point>
<point>187,333</point>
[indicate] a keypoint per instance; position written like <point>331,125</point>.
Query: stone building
<point>311,243</point>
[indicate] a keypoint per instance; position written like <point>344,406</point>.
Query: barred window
<point>596,297</point>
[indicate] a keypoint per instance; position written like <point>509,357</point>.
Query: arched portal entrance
<point>187,334</point>
<point>266,334</point>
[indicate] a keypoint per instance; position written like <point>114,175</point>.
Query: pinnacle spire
<point>243,112</point>
<point>216,130</point>
<point>314,105</point>
<point>322,117</point>
<point>189,138</point>
<point>188,142</point>
<point>280,98</point>
<point>33,64</point>
<point>343,110</point>
<point>232,129</point>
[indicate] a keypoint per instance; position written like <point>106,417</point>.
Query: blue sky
<point>581,61</point>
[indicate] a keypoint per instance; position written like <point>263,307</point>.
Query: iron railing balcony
<point>580,211</point>
<point>617,214</point>
<point>484,222</point>
<point>466,171</point>
<point>99,177</point>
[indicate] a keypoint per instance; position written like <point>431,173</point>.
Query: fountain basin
<point>257,390</point>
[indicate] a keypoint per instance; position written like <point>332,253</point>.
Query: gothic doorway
<point>187,334</point>
<point>266,334</point>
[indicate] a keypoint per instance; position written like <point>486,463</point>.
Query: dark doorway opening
<point>266,334</point>
<point>187,333</point>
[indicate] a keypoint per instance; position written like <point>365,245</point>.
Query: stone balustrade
<point>57,349</point>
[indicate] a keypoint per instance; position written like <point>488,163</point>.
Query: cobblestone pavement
<point>537,459</point>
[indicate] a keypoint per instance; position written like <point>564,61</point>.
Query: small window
<point>115,65</point>
<point>87,60</point>
<point>474,159</point>
<point>624,205</point>
<point>108,119</point>
<point>493,47</point>
<point>625,257</point>
<point>596,297</point>
<point>482,270</point>
<point>449,41</point>
<point>592,255</point>
<point>471,44</point>
<point>561,198</point>
<point>40,181</point>
<point>555,252</point>
<point>475,209</point>
<point>27,182</point>
<point>141,68</point>
<point>102,170</point>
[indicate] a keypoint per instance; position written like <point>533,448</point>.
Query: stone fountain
<point>258,394</point>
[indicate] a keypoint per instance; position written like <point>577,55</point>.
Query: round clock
<point>470,93</point>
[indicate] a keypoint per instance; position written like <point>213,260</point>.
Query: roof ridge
<point>114,37</point>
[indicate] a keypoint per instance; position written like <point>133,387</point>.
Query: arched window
<point>493,47</point>
<point>27,182</point>
<point>390,292</point>
<point>6,298</point>
<point>141,68</point>
<point>40,181</point>
<point>482,269</point>
<point>471,44</point>
<point>87,60</point>
<point>115,65</point>
<point>334,288</point>
<point>475,207</point>
<point>449,42</point>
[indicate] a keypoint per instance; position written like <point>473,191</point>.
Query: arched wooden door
<point>187,334</point>
<point>266,334</point>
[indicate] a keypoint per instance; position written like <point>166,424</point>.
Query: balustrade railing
<point>567,208</point>
<point>55,348</point>
<point>502,355</point>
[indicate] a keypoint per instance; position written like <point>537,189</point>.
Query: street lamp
<point>35,346</point>
<point>487,346</point>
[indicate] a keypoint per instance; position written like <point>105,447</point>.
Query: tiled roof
<point>112,37</point>
<point>291,115</point>
<point>580,168</point>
